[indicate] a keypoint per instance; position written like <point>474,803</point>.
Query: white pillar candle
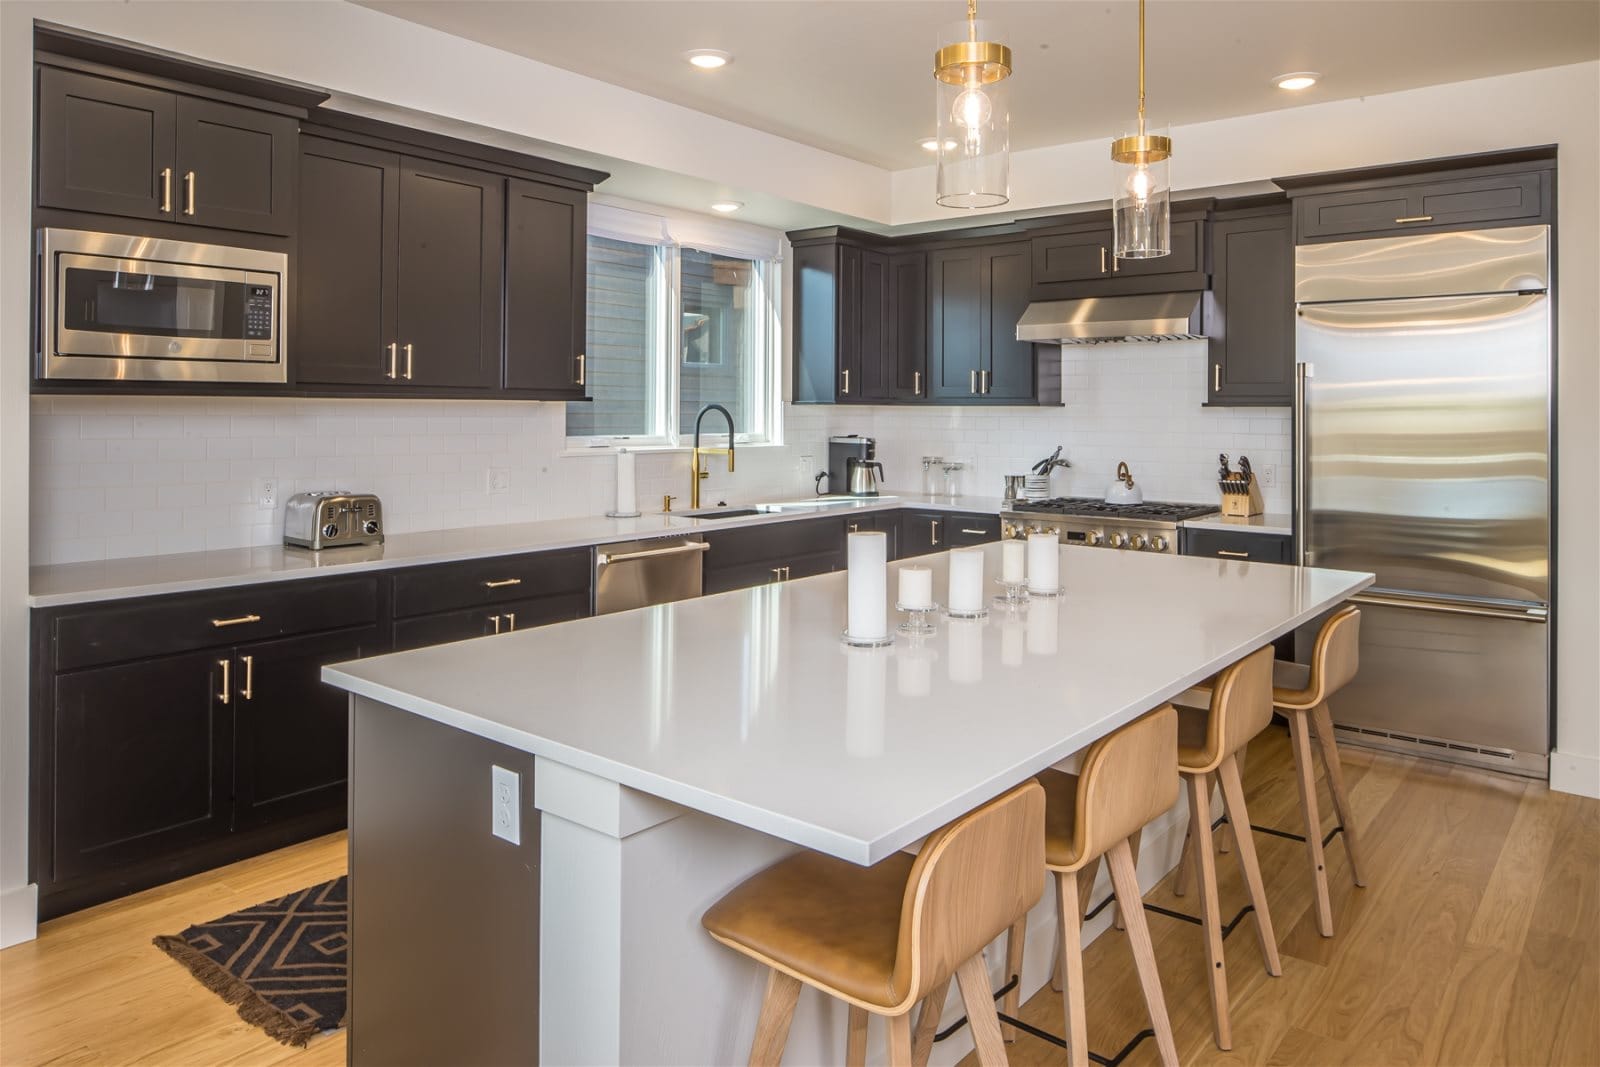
<point>1044,563</point>
<point>866,673</point>
<point>916,588</point>
<point>1014,561</point>
<point>966,651</point>
<point>627,495</point>
<point>867,614</point>
<point>1044,623</point>
<point>966,580</point>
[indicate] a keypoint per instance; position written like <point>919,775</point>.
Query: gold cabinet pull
<point>408,362</point>
<point>975,533</point>
<point>582,369</point>
<point>777,574</point>
<point>972,382</point>
<point>166,189</point>
<point>394,360</point>
<point>1102,259</point>
<point>916,383</point>
<point>225,694</point>
<point>1116,264</point>
<point>855,527</point>
<point>511,621</point>
<point>502,583</point>
<point>249,677</point>
<point>846,389</point>
<point>1232,554</point>
<point>933,531</point>
<point>983,379</point>
<point>188,193</point>
<point>237,620</point>
<point>1414,218</point>
<point>496,620</point>
<point>1216,378</point>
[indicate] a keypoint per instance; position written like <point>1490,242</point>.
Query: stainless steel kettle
<point>861,479</point>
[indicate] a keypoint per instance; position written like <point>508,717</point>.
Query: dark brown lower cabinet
<point>1240,545</point>
<point>756,555</point>
<point>922,532</point>
<point>465,623</point>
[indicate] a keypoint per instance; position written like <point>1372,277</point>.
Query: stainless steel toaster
<point>332,519</point>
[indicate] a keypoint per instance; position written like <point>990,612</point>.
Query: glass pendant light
<point>1141,205</point>
<point>973,114</point>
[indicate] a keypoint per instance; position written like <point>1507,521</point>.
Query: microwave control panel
<point>258,313</point>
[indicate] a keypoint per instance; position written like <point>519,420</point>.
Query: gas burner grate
<point>1089,506</point>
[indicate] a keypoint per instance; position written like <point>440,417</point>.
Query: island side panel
<point>444,915</point>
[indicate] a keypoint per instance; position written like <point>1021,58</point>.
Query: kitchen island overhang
<point>678,748</point>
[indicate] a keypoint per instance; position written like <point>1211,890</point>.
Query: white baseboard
<point>1572,773</point>
<point>19,915</point>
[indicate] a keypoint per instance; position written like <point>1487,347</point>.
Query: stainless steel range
<point>1081,520</point>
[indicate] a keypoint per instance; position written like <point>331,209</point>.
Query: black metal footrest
<point>1287,836</point>
<point>1045,1035</point>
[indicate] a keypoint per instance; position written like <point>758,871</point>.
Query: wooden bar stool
<point>1127,779</point>
<point>1208,742</point>
<point>882,938</point>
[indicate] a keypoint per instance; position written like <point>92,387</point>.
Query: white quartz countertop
<point>747,706</point>
<point>1267,523</point>
<point>118,579</point>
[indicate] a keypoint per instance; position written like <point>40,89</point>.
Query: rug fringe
<point>253,1008</point>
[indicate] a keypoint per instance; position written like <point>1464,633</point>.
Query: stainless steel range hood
<point>1098,320</point>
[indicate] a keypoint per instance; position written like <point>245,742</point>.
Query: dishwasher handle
<point>604,558</point>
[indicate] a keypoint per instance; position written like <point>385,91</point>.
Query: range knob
<point>1040,528</point>
<point>370,526</point>
<point>331,530</point>
<point>1158,543</point>
<point>1094,537</point>
<point>1140,542</point>
<point>1119,540</point>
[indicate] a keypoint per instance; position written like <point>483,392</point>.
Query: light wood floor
<point>1477,941</point>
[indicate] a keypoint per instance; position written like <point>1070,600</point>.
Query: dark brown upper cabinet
<point>1082,262</point>
<point>546,291</point>
<point>906,343</point>
<point>1250,310</point>
<point>116,148</point>
<point>975,297</point>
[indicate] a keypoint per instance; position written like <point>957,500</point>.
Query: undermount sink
<point>718,513</point>
<point>821,503</point>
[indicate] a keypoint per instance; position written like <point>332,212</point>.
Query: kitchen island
<point>659,756</point>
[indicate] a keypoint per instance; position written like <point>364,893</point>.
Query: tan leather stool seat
<point>1061,845</point>
<point>1192,729</point>
<point>824,918</point>
<point>1291,683</point>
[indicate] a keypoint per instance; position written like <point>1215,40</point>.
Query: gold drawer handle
<point>975,533</point>
<point>1415,218</point>
<point>249,677</point>
<point>1232,554</point>
<point>225,694</point>
<point>502,583</point>
<point>238,621</point>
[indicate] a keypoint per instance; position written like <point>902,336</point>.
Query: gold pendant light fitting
<point>972,62</point>
<point>1141,148</point>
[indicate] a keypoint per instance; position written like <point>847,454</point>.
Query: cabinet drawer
<point>772,545</point>
<point>769,571</point>
<point>420,631</point>
<point>158,626</point>
<point>487,582</point>
<point>1229,544</point>
<point>962,530</point>
<point>1484,200</point>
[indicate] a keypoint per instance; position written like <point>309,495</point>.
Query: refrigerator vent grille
<point>1431,742</point>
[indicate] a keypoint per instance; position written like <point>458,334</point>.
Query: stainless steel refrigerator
<point>1422,421</point>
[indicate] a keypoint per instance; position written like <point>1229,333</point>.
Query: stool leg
<point>1341,799</point>
<point>1233,794</point>
<point>973,978</point>
<point>1180,884</point>
<point>1116,909</point>
<point>1205,861</point>
<point>1306,777</point>
<point>1016,937</point>
<point>900,1041</point>
<point>1067,886</point>
<point>1226,836</point>
<point>928,1023</point>
<point>1126,879</point>
<point>772,1027</point>
<point>855,1050</point>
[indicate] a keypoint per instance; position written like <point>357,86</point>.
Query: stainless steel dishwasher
<point>634,574</point>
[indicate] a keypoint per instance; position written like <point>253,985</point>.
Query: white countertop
<point>118,579</point>
<point>747,706</point>
<point>1267,523</point>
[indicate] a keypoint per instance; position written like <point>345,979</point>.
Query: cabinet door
<point>873,329</point>
<point>105,146</point>
<point>847,372</point>
<point>142,758</point>
<point>884,522</point>
<point>1241,545</point>
<point>922,532</point>
<point>907,341</point>
<point>1251,324</point>
<point>971,529</point>
<point>290,730</point>
<point>449,270</point>
<point>235,167</point>
<point>423,630</point>
<point>955,322</point>
<point>1072,257</point>
<point>1007,362</point>
<point>1470,201</point>
<point>344,312</point>
<point>546,289</point>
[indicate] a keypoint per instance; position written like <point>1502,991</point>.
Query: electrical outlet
<point>499,480</point>
<point>266,492</point>
<point>1269,475</point>
<point>505,809</point>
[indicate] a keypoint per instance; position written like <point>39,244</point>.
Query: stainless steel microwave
<point>118,307</point>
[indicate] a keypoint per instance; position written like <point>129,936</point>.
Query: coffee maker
<point>852,470</point>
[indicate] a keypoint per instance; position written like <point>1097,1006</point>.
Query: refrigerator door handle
<point>1455,607</point>
<point>1302,496</point>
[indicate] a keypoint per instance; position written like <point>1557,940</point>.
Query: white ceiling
<point>854,76</point>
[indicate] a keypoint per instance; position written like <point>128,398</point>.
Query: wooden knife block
<point>1243,505</point>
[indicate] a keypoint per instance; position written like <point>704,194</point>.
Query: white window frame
<point>765,390</point>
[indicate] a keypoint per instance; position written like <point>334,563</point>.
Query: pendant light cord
<point>1141,64</point>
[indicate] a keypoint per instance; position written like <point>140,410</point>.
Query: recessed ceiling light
<point>1300,79</point>
<point>727,207</point>
<point>931,144</point>
<point>708,58</point>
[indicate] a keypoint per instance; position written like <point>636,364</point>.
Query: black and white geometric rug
<point>282,963</point>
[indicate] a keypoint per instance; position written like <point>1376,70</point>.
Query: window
<point>672,328</point>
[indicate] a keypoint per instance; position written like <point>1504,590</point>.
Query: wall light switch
<point>506,806</point>
<point>499,480</point>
